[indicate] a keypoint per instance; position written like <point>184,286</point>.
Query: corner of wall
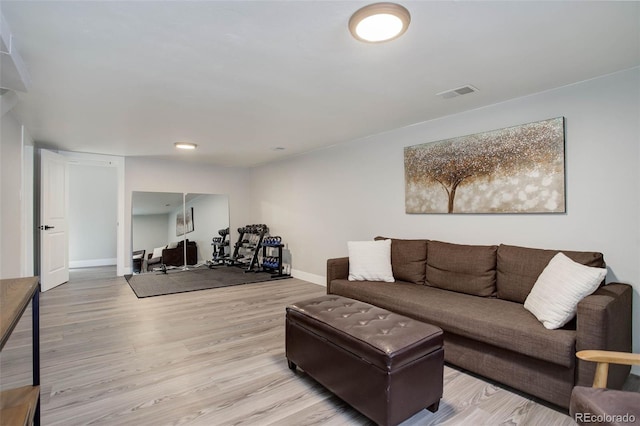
<point>312,278</point>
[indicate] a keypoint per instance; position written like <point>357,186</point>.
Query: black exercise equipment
<point>271,263</point>
<point>246,249</point>
<point>220,248</point>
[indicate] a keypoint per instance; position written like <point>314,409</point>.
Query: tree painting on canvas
<point>518,169</point>
<point>183,225</point>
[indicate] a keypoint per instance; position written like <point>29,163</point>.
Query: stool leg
<point>434,407</point>
<point>292,365</point>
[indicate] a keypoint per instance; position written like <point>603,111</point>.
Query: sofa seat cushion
<point>493,321</point>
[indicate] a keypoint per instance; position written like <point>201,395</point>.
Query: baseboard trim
<point>312,278</point>
<point>91,262</point>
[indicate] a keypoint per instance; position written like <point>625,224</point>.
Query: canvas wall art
<point>518,169</point>
<point>184,224</point>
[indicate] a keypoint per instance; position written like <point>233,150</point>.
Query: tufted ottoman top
<point>383,338</point>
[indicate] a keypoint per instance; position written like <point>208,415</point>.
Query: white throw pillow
<point>172,245</point>
<point>157,252</point>
<point>370,261</point>
<point>560,287</point>
<point>137,256</point>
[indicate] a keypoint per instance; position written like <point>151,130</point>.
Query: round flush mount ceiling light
<point>185,145</point>
<point>379,22</point>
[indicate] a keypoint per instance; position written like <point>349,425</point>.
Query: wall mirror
<point>175,230</point>
<point>210,213</point>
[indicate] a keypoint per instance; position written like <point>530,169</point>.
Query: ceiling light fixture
<point>379,22</point>
<point>185,145</point>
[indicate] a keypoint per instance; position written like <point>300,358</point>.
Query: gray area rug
<point>178,281</point>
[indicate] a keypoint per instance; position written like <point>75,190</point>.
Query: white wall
<point>28,228</point>
<point>355,191</point>
<point>150,231</point>
<point>144,174</point>
<point>93,202</point>
<point>11,217</point>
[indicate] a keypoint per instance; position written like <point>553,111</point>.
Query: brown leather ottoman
<point>385,365</point>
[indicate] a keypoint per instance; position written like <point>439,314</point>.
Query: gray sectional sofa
<point>476,295</point>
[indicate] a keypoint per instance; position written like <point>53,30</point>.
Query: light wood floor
<point>212,357</point>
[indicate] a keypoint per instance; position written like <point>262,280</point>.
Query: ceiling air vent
<point>448,94</point>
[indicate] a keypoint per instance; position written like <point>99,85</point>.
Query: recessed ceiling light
<point>185,145</point>
<point>379,22</point>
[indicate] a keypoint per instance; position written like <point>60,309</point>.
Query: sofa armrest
<point>604,322</point>
<point>337,269</point>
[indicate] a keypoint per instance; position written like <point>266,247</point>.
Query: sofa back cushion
<point>520,267</point>
<point>408,259</point>
<point>462,268</point>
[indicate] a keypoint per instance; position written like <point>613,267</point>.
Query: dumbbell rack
<point>220,248</point>
<point>246,250</point>
<point>276,271</point>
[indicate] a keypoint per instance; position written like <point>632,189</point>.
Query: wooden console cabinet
<point>21,406</point>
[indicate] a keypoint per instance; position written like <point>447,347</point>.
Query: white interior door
<point>54,239</point>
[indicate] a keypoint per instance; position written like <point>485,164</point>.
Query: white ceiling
<point>242,77</point>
